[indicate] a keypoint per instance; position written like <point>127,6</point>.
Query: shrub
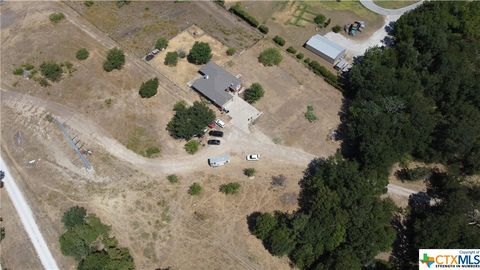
<point>82,54</point>
<point>291,50</point>
<point>28,66</point>
<point>18,71</point>
<point>115,60</point>
<point>414,174</point>
<point>180,105</point>
<point>43,82</point>
<point>238,10</point>
<point>56,17</point>
<point>171,59</point>
<point>121,3</point>
<point>152,151</point>
<point>172,178</point>
<point>161,43</point>
<point>195,189</point>
<point>230,188</point>
<point>319,19</point>
<point>270,57</point>
<point>181,54</point>
<point>300,56</point>
<point>337,28</point>
<point>220,2</point>
<point>310,115</point>
<point>307,60</point>
<point>254,93</point>
<point>231,51</point>
<point>149,88</point>
<point>279,40</point>
<point>263,28</point>
<point>190,121</point>
<point>88,3</point>
<point>192,146</point>
<point>279,180</point>
<point>325,73</point>
<point>51,71</point>
<point>200,53</point>
<point>249,172</point>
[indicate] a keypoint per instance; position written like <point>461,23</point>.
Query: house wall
<point>321,54</point>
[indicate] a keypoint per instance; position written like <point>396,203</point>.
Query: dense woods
<point>420,99</point>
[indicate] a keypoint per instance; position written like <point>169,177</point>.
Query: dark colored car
<point>216,133</point>
<point>213,142</point>
<point>2,175</point>
<point>149,57</point>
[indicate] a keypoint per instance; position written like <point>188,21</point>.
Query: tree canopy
<point>149,88</point>
<point>200,53</point>
<point>115,60</point>
<point>161,43</point>
<point>270,57</point>
<point>51,70</point>
<point>190,121</point>
<point>254,93</point>
<point>82,54</point>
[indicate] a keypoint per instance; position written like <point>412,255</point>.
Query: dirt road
<point>28,220</point>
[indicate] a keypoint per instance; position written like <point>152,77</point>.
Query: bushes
<point>307,61</point>
<point>231,51</point>
<point>310,115</point>
<point>327,75</point>
<point>152,151</point>
<point>249,172</point>
<point>161,43</point>
<point>263,28</point>
<point>300,56</point>
<point>18,71</point>
<point>337,28</point>
<point>171,59</point>
<point>414,174</point>
<point>200,53</point>
<point>88,3</point>
<point>291,50</point>
<point>238,10</point>
<point>149,88</point>
<point>320,19</point>
<point>230,188</point>
<point>51,71</point>
<point>195,189</point>
<point>82,54</point>
<point>172,178</point>
<point>115,60</point>
<point>254,93</point>
<point>270,57</point>
<point>74,216</point>
<point>181,54</point>
<point>56,17</point>
<point>190,121</point>
<point>192,146</point>
<point>279,40</point>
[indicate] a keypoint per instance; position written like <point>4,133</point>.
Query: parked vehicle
<point>216,133</point>
<point>219,161</point>
<point>213,142</point>
<point>149,57</point>
<point>211,125</point>
<point>220,123</point>
<point>2,175</point>
<point>253,157</point>
<point>155,51</point>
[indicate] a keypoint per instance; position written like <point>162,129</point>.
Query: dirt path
<point>236,142</point>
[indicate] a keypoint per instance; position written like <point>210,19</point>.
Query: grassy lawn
<point>353,6</point>
<point>393,4</point>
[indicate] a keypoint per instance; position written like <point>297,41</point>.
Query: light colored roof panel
<point>326,46</point>
<point>220,159</point>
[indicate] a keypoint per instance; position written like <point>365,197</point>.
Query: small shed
<point>219,161</point>
<point>325,48</point>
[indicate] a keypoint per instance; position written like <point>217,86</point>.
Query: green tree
<point>192,146</point>
<point>195,189</point>
<point>162,43</point>
<point>264,225</point>
<point>82,54</point>
<point>190,121</point>
<point>200,53</point>
<point>171,59</point>
<point>254,93</point>
<point>149,88</point>
<point>279,40</point>
<point>74,216</point>
<point>270,57</point>
<point>51,71</point>
<point>230,188</point>
<point>115,60</point>
<point>263,28</point>
<point>320,19</point>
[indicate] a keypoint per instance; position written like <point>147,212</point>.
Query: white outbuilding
<point>325,48</point>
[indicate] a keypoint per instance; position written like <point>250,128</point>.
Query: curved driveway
<point>388,12</point>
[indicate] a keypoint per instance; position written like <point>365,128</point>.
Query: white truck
<point>219,161</point>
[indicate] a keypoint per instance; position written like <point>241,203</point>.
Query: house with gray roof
<point>327,49</point>
<point>216,84</point>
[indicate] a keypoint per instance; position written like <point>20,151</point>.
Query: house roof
<point>214,83</point>
<point>326,46</point>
